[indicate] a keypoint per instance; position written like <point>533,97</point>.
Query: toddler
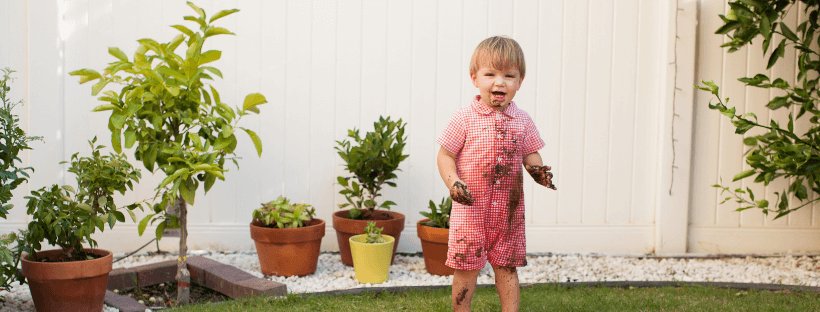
<point>480,160</point>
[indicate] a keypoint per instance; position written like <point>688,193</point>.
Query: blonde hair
<point>498,52</point>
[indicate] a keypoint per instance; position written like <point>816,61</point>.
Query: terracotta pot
<point>68,286</point>
<point>289,251</point>
<point>434,248</point>
<point>345,228</point>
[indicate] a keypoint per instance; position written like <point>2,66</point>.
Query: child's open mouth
<point>499,96</point>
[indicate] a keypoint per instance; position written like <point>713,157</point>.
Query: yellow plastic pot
<point>371,262</point>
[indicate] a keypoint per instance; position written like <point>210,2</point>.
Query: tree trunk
<point>183,275</point>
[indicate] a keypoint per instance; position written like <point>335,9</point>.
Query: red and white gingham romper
<point>490,147</point>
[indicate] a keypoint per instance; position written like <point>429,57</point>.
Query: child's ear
<point>472,78</point>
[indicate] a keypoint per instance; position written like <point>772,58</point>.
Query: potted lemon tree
<point>372,161</point>
<point>287,237</point>
<point>372,253</point>
<point>74,277</point>
<point>433,231</point>
<point>169,112</point>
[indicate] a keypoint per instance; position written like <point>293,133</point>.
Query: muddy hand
<point>541,175</point>
<point>460,194</point>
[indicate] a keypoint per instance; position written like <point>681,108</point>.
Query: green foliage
<point>374,234</point>
<point>13,140</point>
<point>780,152</point>
<point>373,161</point>
<point>439,216</point>
<point>281,213</point>
<point>168,111</point>
<point>67,217</point>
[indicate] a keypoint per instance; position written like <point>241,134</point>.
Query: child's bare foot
<point>460,194</point>
<point>541,175</point>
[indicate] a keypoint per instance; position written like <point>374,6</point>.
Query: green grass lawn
<point>540,298</point>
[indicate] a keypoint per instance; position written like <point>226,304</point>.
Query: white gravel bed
<point>408,270</point>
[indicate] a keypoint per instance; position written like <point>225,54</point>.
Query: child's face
<point>497,87</point>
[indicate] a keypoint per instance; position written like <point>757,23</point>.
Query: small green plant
<point>13,141</point>
<point>373,161</point>
<point>439,216</point>
<point>67,217</point>
<point>281,213</point>
<point>374,234</point>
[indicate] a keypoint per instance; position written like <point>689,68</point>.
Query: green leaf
<point>252,100</point>
<point>116,52</point>
<point>743,174</point>
<point>144,223</point>
<point>97,87</point>
<point>104,107</point>
<point>130,138</point>
<point>187,193</point>
<point>160,228</point>
<point>222,14</point>
<point>86,75</point>
<point>777,53</point>
<point>788,32</point>
<point>116,140</point>
<point>117,120</point>
<point>257,143</point>
<point>213,31</point>
<point>209,56</point>
<point>184,30</point>
<point>197,9</point>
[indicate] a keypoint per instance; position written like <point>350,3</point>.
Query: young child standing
<point>482,152</point>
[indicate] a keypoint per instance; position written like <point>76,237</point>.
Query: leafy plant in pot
<point>74,278</point>
<point>13,141</point>
<point>168,111</point>
<point>372,161</point>
<point>372,253</point>
<point>287,237</point>
<point>433,231</point>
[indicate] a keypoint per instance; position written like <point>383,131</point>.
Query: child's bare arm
<point>540,173</point>
<point>447,169</point>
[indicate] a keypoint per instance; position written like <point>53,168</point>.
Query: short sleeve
<point>454,135</point>
<point>532,140</point>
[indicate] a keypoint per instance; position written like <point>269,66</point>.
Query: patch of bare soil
<point>164,295</point>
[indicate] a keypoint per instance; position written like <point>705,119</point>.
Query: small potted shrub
<point>433,232</point>
<point>287,237</point>
<point>372,161</point>
<point>372,253</point>
<point>72,277</point>
<point>164,105</point>
<point>13,140</point>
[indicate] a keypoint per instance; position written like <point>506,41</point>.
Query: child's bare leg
<point>463,289</point>
<point>506,283</point>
